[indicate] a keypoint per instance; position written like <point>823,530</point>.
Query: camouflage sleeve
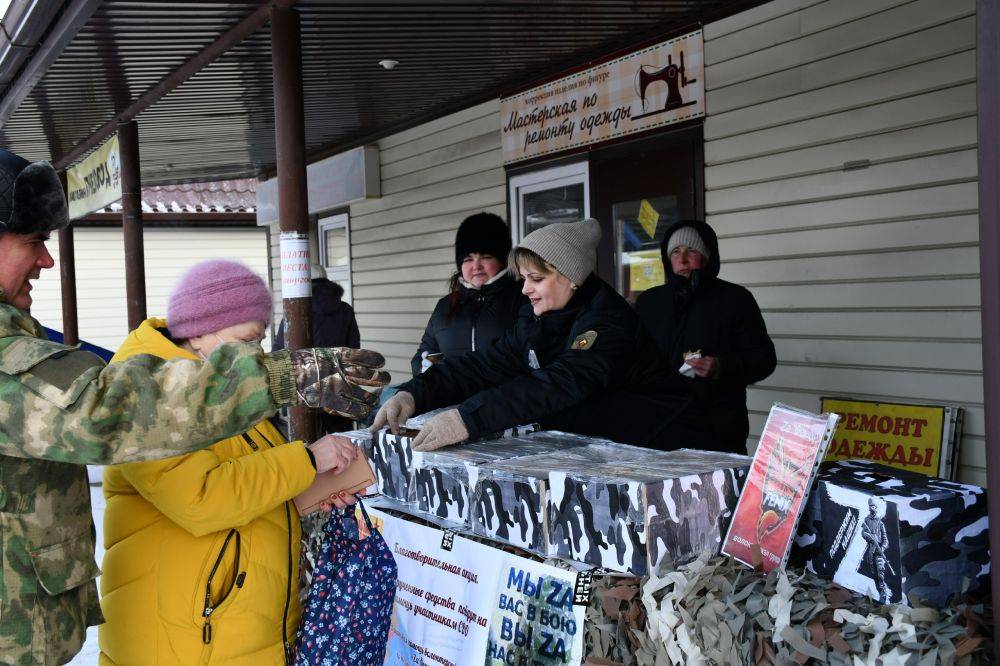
<point>71,409</point>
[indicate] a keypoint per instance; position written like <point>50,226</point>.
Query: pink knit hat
<point>216,294</point>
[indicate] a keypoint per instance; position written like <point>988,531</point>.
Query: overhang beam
<point>170,82</point>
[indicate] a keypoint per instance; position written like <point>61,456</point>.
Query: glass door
<point>335,250</point>
<point>641,188</point>
<point>539,198</point>
<point>639,226</point>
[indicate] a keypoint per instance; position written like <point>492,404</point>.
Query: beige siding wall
<point>402,253</point>
<point>868,278</point>
<point>274,254</point>
<point>100,274</point>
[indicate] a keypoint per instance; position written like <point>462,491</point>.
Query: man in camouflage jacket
<point>61,408</point>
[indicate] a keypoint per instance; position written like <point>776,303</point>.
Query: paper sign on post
<point>295,280</point>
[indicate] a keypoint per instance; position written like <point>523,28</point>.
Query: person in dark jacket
<point>696,311</point>
<point>332,320</point>
<point>483,299</point>
<point>576,348</point>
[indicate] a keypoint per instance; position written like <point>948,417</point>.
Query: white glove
<point>394,412</point>
<point>445,429</point>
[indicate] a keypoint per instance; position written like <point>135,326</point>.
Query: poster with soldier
<point>861,542</point>
<point>892,534</point>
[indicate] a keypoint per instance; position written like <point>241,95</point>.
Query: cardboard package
<point>357,478</point>
<point>510,501</point>
<point>889,533</point>
<point>444,480</point>
<point>391,458</point>
<point>648,512</point>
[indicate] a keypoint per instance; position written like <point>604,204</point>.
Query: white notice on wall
<point>295,282</point>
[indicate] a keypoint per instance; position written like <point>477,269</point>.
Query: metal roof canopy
<point>117,60</point>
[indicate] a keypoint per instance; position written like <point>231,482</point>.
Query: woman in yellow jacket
<point>202,550</point>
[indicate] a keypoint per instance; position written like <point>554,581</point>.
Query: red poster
<point>791,446</point>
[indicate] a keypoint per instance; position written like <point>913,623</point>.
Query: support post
<point>293,203</point>
<point>67,277</point>
<point>988,125</point>
<point>67,280</point>
<point>135,261</point>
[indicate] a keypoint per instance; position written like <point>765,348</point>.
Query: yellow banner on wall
<point>903,436</point>
<point>96,181</point>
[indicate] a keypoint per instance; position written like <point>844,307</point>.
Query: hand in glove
<point>443,430</point>
<point>330,378</point>
<point>394,412</point>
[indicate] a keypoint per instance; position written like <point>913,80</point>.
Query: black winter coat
<point>332,320</point>
<point>548,364</point>
<point>479,317</point>
<point>720,319</point>
<point>333,325</point>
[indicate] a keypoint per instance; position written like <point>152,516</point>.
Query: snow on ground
<point>88,655</point>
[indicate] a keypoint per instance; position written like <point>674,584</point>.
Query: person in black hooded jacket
<point>333,324</point>
<point>577,359</point>
<point>696,311</point>
<point>483,299</point>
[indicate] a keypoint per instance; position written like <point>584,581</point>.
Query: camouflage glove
<point>394,413</point>
<point>443,430</point>
<point>330,378</point>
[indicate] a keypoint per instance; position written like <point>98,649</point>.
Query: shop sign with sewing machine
<point>656,86</point>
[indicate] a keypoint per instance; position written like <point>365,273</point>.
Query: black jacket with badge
<point>547,365</point>
<point>719,319</point>
<point>469,319</point>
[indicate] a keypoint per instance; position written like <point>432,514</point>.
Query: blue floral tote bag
<point>346,617</point>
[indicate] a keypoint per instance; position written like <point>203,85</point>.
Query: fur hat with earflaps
<point>31,196</point>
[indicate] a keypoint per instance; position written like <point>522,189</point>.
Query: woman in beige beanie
<point>576,349</point>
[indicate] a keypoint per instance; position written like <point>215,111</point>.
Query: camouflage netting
<point>720,612</point>
<point>717,611</point>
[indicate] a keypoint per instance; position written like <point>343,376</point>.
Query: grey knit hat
<point>690,237</point>
<point>570,247</point>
